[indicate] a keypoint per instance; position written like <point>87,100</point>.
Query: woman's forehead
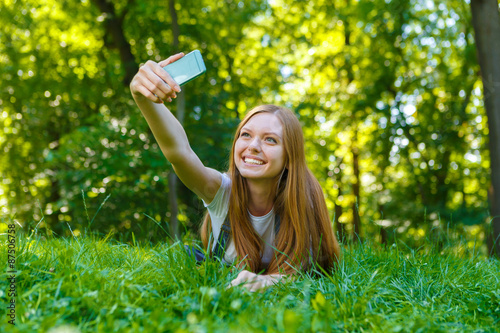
<point>265,121</point>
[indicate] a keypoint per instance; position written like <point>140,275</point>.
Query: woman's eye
<point>271,140</point>
<point>244,134</point>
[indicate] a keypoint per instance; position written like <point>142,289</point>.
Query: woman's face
<point>259,151</point>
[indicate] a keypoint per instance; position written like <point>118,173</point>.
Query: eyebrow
<point>266,133</point>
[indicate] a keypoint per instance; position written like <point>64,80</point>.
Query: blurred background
<point>389,94</point>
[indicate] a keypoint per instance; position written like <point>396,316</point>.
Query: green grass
<point>91,284</point>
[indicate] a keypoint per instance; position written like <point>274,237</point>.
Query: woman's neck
<point>260,197</point>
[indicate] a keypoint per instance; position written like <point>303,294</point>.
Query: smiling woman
<point>267,213</point>
<point>268,181</point>
<point>258,151</point>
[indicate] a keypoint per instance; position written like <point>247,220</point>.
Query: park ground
<point>96,284</point>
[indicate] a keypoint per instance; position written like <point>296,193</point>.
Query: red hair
<point>306,235</point>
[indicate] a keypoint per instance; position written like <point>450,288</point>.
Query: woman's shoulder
<point>222,195</point>
<point>225,178</point>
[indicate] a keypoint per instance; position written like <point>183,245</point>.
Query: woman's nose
<point>254,144</point>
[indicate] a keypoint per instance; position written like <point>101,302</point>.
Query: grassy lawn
<point>92,284</point>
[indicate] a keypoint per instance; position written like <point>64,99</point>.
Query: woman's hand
<point>254,282</point>
<point>154,83</point>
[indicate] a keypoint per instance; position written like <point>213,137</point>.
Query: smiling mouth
<point>249,160</point>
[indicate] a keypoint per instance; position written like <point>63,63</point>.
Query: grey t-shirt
<point>263,225</point>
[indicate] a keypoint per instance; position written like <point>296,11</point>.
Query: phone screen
<point>186,68</point>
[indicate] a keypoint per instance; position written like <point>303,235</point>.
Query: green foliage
<point>389,86</point>
<point>95,284</point>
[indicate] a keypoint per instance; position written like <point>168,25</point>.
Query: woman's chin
<point>256,176</point>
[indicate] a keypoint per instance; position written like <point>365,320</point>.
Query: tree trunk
<point>355,152</point>
<point>172,200</point>
<point>113,25</point>
<point>356,190</point>
<point>180,111</point>
<point>55,196</point>
<point>486,22</point>
<point>339,227</point>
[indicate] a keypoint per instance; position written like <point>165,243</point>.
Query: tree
<point>486,21</point>
<point>397,78</point>
<point>71,137</point>
<point>387,93</point>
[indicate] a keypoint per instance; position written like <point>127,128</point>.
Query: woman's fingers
<point>148,94</point>
<point>161,73</point>
<point>252,281</point>
<point>171,59</point>
<point>146,83</point>
<point>154,83</point>
<point>155,79</point>
<point>243,278</point>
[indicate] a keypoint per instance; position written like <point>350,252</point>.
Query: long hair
<point>306,236</point>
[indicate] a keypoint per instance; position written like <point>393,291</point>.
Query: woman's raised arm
<point>150,87</point>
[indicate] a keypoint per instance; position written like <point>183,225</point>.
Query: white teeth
<point>252,161</point>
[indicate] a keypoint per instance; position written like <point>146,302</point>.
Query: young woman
<point>269,203</point>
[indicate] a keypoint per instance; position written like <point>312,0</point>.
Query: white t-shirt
<point>263,225</point>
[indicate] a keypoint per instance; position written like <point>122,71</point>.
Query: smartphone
<point>186,68</point>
